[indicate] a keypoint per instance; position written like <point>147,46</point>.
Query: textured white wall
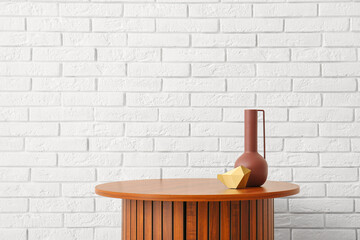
<point>109,90</point>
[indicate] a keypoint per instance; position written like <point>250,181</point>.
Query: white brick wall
<point>97,91</point>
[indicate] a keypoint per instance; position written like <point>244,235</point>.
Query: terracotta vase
<point>251,159</point>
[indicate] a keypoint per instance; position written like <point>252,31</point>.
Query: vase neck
<point>251,130</point>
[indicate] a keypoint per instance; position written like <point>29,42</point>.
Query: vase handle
<point>263,130</point>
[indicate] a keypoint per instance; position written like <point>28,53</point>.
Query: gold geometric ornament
<point>235,178</point>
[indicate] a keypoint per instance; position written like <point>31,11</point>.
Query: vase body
<point>251,159</point>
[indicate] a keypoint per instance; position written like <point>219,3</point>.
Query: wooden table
<point>196,209</point>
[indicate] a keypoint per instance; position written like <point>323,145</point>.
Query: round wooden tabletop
<point>192,189</point>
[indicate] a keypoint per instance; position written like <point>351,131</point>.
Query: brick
<point>11,144</point>
<point>186,144</point>
<point>292,130</point>
<point>280,205</point>
<point>27,159</point>
<point>324,85</point>
<point>342,220</point>
<point>157,99</point>
<point>222,99</point>
<point>316,24</point>
<point>63,54</point>
<point>16,234</point>
<point>61,114</point>
<point>288,99</point>
<point>91,220</point>
<point>155,159</point>
<point>55,144</point>
<point>192,55</point>
<point>321,114</point>
<point>193,84</point>
<point>289,40</point>
<point>30,220</point>
<point>251,25</point>
<point>61,205</point>
<point>129,84</point>
<point>258,84</point>
<point>54,24</point>
<point>94,39</point>
<point>15,84</point>
<point>281,159</point>
<point>157,129</point>
<point>222,69</point>
<point>12,24</point>
<point>319,234</point>
<point>280,174</point>
<point>29,69</point>
<point>232,144</point>
<point>272,114</point>
<point>340,160</point>
<point>158,40</point>
<point>94,69</point>
<point>91,129</point>
<point>223,40</point>
<point>217,129</point>
<point>350,39</point>
<point>78,189</point>
<point>190,114</point>
<point>187,25</point>
<point>155,10</point>
<point>288,69</point>
<point>336,130</point>
<point>14,54</point>
<point>108,205</point>
<point>123,25</point>
<point>93,98</point>
<point>61,233</point>
<point>355,24</point>
<point>191,172</point>
<point>29,129</point>
<point>220,10</point>
<point>258,55</point>
<point>317,145</point>
<point>285,10</point>
<point>325,174</point>
<point>14,174</point>
<point>22,39</point>
<point>340,69</point>
<point>128,54</point>
<point>28,9</point>
<point>91,10</point>
<point>312,190</point>
<point>112,174</point>
<point>339,9</point>
<point>63,84</point>
<point>62,174</point>
<point>281,234</point>
<point>213,159</point>
<point>341,99</point>
<point>299,220</point>
<point>89,159</point>
<point>323,54</point>
<point>126,114</point>
<point>158,69</point>
<point>343,189</point>
<point>120,144</point>
<point>107,233</point>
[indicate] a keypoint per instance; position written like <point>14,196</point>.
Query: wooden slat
<point>128,219</point>
<point>266,222</point>
<point>214,224</point>
<point>253,217</point>
<point>133,219</point>
<point>140,220</point>
<point>245,220</point>
<point>157,220</point>
<point>202,221</point>
<point>191,221</point>
<point>167,220</point>
<point>225,220</point>
<point>178,221</point>
<point>260,220</point>
<point>148,220</point>
<point>271,219</point>
<point>123,219</point>
<point>235,220</point>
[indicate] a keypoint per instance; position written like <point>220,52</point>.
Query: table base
<point>225,220</point>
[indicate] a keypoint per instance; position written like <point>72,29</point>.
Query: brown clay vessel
<point>251,159</point>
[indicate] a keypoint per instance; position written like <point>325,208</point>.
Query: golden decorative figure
<point>235,178</point>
